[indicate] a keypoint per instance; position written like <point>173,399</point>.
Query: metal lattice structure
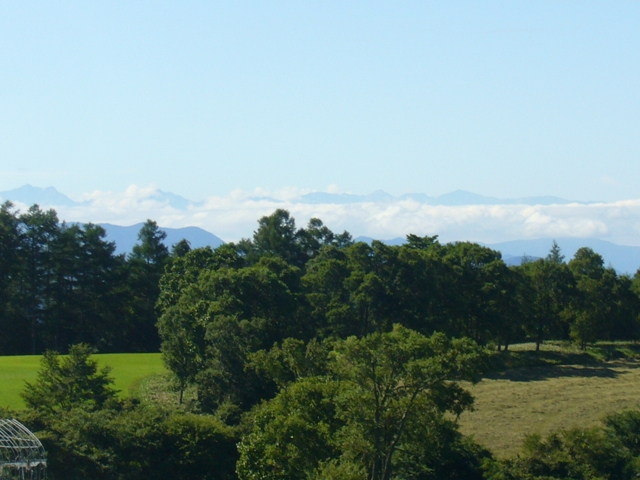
<point>22,456</point>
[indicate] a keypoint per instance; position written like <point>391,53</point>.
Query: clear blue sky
<point>200,98</point>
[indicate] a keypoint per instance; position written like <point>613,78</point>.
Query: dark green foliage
<point>62,284</point>
<point>378,412</point>
<point>15,330</point>
<point>579,454</point>
<point>289,337</point>
<point>146,264</point>
<point>277,236</point>
<point>246,310</point>
<point>625,426</point>
<point>602,308</point>
<point>67,382</point>
<point>549,287</point>
<point>214,318</point>
<point>139,442</point>
<point>181,248</point>
<point>89,434</point>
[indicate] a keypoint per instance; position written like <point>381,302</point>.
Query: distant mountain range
<point>625,259</point>
<point>126,237</point>
<point>30,195</point>
<point>49,196</point>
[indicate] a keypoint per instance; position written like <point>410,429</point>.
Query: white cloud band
<point>234,216</point>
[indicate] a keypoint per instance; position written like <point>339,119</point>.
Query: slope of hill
<point>624,258</point>
<point>126,237</point>
<point>30,195</point>
<point>562,387</point>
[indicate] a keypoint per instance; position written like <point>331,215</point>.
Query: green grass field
<point>528,392</point>
<point>128,369</point>
<point>556,393</point>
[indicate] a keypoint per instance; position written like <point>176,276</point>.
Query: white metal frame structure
<point>22,456</point>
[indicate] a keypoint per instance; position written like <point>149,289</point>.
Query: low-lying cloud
<point>235,216</point>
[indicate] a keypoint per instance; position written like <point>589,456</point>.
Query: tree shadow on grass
<point>532,374</point>
<point>523,366</point>
<point>519,359</point>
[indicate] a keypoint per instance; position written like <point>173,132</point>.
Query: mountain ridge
<point>125,237</point>
<point>49,196</point>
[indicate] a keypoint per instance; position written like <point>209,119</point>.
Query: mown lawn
<point>538,399</point>
<point>128,369</point>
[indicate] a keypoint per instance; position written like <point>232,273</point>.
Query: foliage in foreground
<point>88,433</point>
<point>598,453</point>
<point>377,413</point>
<point>343,408</point>
<point>136,442</point>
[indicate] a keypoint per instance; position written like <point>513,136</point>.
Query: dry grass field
<point>539,399</point>
<point>527,392</point>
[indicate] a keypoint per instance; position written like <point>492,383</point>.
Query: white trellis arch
<point>22,456</point>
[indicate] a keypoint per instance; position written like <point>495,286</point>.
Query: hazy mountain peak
<point>463,197</point>
<point>29,195</point>
<point>171,199</point>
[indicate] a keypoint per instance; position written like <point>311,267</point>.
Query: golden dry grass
<point>541,399</point>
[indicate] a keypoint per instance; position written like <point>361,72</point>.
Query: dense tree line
<point>220,307</point>
<point>261,328</point>
<point>62,284</point>
<point>312,356</point>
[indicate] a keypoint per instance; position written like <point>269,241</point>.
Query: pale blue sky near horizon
<point>507,99</point>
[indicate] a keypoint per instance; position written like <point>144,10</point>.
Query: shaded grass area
<point>128,370</point>
<point>161,390</point>
<point>559,387</point>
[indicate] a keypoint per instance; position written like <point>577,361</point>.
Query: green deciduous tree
<point>479,291</point>
<point>550,286</point>
<point>578,453</point>
<point>134,442</point>
<point>602,308</point>
<point>376,412</point>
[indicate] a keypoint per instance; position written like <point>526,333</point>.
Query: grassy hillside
<point>128,370</point>
<point>556,388</point>
<point>527,392</point>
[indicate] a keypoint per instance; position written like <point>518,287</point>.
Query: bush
<point>139,442</point>
<point>578,454</point>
